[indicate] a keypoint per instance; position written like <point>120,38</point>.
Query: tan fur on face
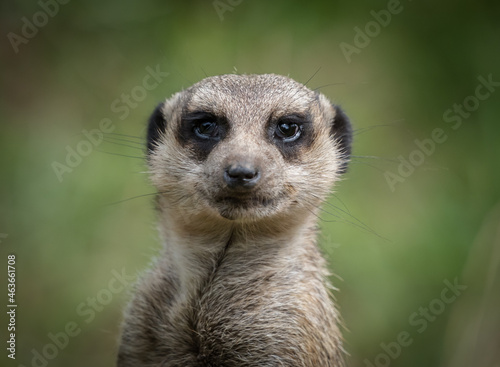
<point>239,284</point>
<point>248,102</point>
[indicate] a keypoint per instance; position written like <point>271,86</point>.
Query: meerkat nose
<point>241,175</point>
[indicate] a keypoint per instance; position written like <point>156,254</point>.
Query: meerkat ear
<point>342,132</point>
<point>156,126</point>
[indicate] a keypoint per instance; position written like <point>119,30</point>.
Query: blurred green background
<point>393,238</point>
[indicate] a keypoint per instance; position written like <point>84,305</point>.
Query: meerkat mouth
<point>232,206</point>
<point>244,201</point>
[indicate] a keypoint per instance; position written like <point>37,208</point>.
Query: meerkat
<point>241,164</point>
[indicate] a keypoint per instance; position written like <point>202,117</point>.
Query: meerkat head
<point>247,147</point>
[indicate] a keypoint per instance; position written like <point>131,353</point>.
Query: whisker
<point>328,85</point>
<point>371,127</point>
<point>343,220</point>
<point>124,145</point>
<point>375,157</point>
<point>121,155</point>
<point>341,202</point>
<point>183,76</point>
<point>131,198</point>
<point>140,143</point>
<point>127,136</point>
<point>360,159</point>
<point>369,165</point>
<point>381,160</point>
<point>293,97</point>
<point>312,76</point>
<point>359,223</point>
<point>137,197</point>
<point>313,213</point>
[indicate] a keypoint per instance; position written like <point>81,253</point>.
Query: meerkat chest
<point>255,310</point>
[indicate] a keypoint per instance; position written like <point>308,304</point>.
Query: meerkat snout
<point>241,175</point>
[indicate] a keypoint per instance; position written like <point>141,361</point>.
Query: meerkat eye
<point>288,131</point>
<point>206,129</point>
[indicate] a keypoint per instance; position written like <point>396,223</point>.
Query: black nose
<point>241,176</point>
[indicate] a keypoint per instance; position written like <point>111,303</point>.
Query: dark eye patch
<point>290,133</point>
<point>201,131</point>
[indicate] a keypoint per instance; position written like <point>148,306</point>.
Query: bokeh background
<point>393,243</point>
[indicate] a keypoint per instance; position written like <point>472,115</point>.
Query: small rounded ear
<point>342,132</point>
<point>156,126</point>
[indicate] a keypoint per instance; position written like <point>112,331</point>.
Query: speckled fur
<point>239,285</point>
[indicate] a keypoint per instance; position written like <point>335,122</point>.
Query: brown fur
<point>239,282</point>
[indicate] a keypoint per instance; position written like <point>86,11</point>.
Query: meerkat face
<point>246,147</point>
